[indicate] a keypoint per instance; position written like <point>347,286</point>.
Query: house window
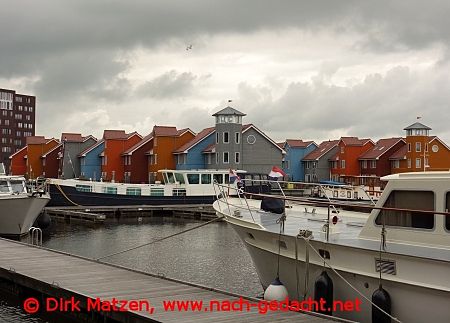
<point>373,164</point>
<point>314,164</point>
<point>153,159</point>
<point>396,164</point>
<point>217,158</point>
<point>364,164</point>
<point>307,165</point>
<point>426,147</point>
<point>342,150</point>
<point>418,162</point>
<point>181,159</point>
<point>285,164</point>
<point>343,163</point>
<point>226,157</point>
<point>409,162</point>
<point>409,147</point>
<point>237,158</point>
<point>237,137</point>
<point>208,159</point>
<point>418,147</point>
<point>217,137</point>
<point>226,137</point>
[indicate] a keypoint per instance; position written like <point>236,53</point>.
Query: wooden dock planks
<point>59,274</point>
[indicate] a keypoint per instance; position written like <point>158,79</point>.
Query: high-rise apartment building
<point>17,121</point>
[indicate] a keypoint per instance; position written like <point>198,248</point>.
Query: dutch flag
<point>276,172</point>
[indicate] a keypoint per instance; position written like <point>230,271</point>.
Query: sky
<point>311,70</point>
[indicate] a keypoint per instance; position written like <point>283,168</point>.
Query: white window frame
<point>226,153</point>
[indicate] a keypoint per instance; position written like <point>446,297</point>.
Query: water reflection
<point>212,255</point>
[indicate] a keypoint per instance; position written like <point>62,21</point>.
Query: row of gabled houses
<point>129,157</point>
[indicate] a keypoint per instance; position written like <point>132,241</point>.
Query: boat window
<point>412,200</point>
<point>170,178</point>
<point>206,178</point>
<point>133,191</point>
<point>349,194</point>
<point>355,195</point>
<point>179,192</point>
<point>17,186</point>
<point>227,178</point>
<point>218,178</point>
<point>4,187</point>
<point>110,190</point>
<point>84,188</point>
<point>166,181</point>
<point>157,192</point>
<point>248,181</point>
<point>447,208</point>
<point>179,177</point>
<point>193,178</point>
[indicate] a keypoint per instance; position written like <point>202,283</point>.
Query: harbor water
<point>212,255</point>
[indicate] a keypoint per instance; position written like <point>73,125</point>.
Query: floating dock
<point>43,273</point>
<point>98,214</point>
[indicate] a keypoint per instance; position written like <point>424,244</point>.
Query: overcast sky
<point>311,70</point>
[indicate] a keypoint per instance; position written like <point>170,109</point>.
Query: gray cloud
<point>169,85</point>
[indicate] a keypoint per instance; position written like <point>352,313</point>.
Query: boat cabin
<point>416,204</point>
<point>12,185</point>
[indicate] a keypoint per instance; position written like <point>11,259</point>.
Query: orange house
<point>35,148</point>
<point>345,163</point>
<point>165,141</point>
<point>421,153</point>
<point>116,142</point>
<point>19,162</point>
<point>137,159</point>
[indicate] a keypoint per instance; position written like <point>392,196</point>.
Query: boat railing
<point>225,191</point>
<point>35,236</point>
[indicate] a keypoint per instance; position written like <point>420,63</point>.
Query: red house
<point>375,162</point>
<point>345,163</point>
<point>50,162</point>
<point>116,142</point>
<point>154,152</point>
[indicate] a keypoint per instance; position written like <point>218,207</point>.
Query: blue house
<point>91,162</point>
<point>191,155</point>
<point>292,161</point>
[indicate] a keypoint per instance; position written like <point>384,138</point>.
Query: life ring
<point>342,194</point>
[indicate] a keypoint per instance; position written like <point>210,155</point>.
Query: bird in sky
<point>189,47</point>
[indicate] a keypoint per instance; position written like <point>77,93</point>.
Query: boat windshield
<point>4,187</point>
<point>17,186</point>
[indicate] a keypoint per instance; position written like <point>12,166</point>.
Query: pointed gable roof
<point>229,111</point>
<point>380,148</point>
<point>168,131</point>
<point>196,140</point>
<point>52,150</point>
<point>71,137</point>
<point>35,140</point>
<point>324,147</point>
<point>90,148</point>
<point>297,143</point>
<point>246,127</point>
<point>399,154</point>
<point>114,134</point>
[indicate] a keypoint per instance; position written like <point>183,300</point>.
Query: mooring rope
<point>351,286</point>
<point>64,194</point>
<point>160,239</point>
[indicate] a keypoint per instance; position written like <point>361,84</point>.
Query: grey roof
<point>229,111</point>
<point>417,125</point>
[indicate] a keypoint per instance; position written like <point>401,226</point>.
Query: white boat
<point>179,187</point>
<point>403,245</point>
<point>18,207</point>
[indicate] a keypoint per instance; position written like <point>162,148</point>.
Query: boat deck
<point>345,232</point>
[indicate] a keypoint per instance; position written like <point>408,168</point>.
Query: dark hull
<point>72,197</point>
